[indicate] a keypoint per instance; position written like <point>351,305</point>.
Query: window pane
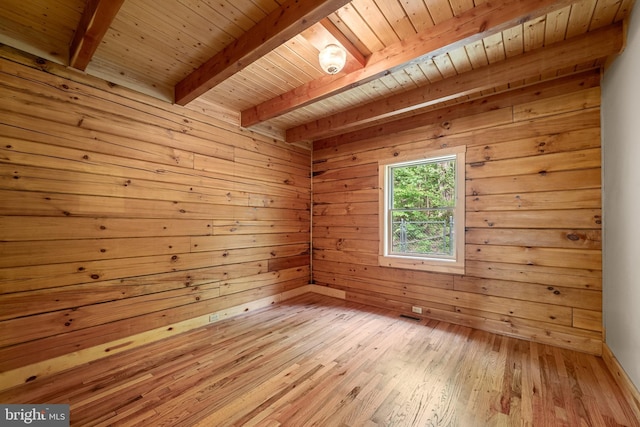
<point>422,232</point>
<point>424,185</point>
<point>422,207</point>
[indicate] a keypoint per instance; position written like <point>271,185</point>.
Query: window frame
<point>453,265</point>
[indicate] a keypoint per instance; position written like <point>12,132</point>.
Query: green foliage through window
<point>422,205</point>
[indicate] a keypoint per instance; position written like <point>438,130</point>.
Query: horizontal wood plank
<point>27,302</point>
<point>16,279</point>
<point>540,200</point>
<point>536,146</point>
<point>584,239</point>
<point>552,181</point>
<point>551,257</point>
<point>29,228</point>
<point>555,276</point>
<point>577,218</point>
<point>570,297</point>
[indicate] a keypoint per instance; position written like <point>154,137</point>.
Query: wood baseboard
<point>327,291</point>
<point>628,388</point>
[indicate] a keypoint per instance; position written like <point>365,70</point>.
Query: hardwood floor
<point>318,361</point>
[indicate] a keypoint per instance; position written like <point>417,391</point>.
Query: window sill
<point>423,264</point>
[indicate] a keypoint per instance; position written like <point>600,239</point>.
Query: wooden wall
<point>124,218</point>
<point>533,220</point>
<point>122,215</point>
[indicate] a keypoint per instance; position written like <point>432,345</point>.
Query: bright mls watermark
<point>34,415</point>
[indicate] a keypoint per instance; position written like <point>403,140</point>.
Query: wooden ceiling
<point>257,60</point>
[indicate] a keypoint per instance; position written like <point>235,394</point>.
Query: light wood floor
<point>317,361</point>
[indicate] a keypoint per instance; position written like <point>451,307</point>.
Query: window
<point>422,212</point>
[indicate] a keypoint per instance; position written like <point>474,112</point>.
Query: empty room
<point>319,213</point>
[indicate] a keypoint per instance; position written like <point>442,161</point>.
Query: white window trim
<point>440,265</point>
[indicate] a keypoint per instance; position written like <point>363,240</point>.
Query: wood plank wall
<point>121,214</point>
<point>533,220</point>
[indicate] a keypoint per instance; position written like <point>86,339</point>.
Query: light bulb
<point>332,59</point>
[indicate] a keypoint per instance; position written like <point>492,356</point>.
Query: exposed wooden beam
<point>581,49</point>
<point>293,17</point>
<point>481,21</point>
<point>583,79</point>
<point>94,23</point>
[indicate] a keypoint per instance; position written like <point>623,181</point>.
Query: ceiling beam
<point>94,24</point>
<point>581,80</point>
<point>293,17</point>
<point>591,46</point>
<point>475,24</point>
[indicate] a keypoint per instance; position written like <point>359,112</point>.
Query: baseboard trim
<point>325,290</point>
<point>628,388</point>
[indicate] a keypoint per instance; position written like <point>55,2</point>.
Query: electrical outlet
<point>416,309</point>
<point>213,318</point>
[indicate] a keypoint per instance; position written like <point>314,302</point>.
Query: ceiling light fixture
<point>332,59</point>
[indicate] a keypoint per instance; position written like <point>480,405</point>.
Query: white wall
<point>621,162</point>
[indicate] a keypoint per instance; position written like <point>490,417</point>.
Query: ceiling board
<point>152,46</point>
